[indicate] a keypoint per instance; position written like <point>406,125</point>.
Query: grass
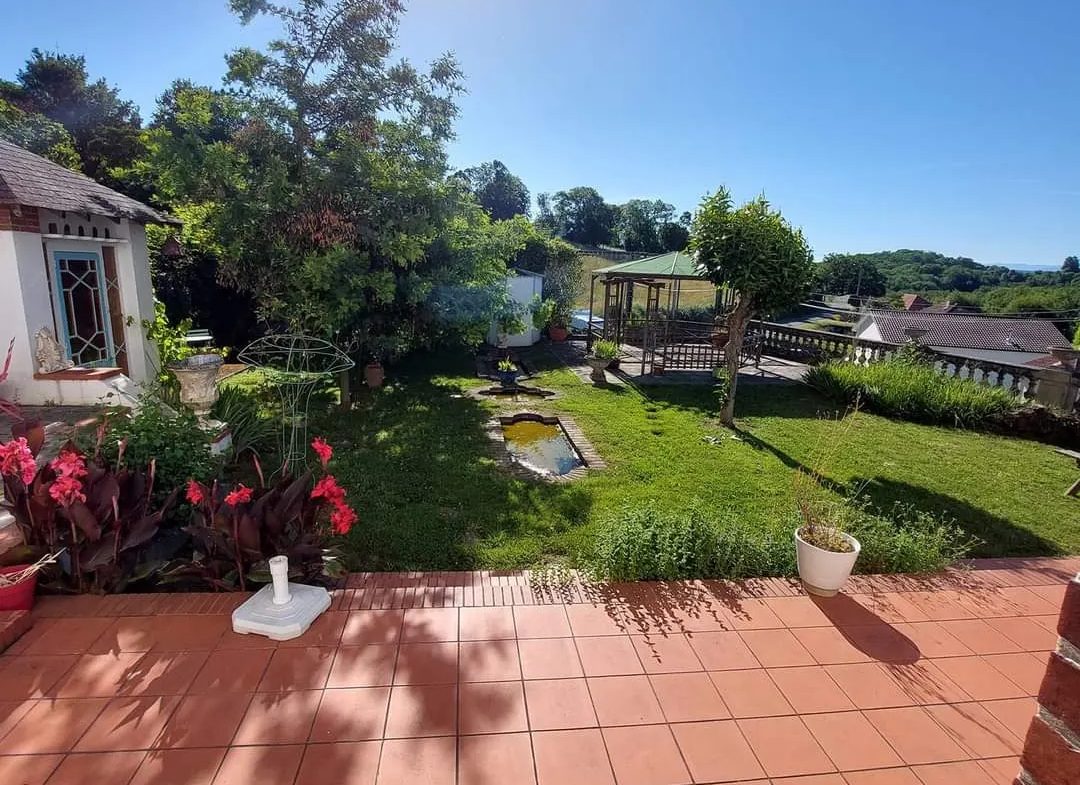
<point>418,466</point>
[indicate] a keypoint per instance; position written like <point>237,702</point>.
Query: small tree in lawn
<point>756,253</point>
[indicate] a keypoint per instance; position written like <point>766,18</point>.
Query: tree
<point>1071,265</point>
<point>582,216</point>
<point>673,236</point>
<point>38,134</point>
<point>848,274</point>
<point>104,129</point>
<point>639,224</point>
<point>501,193</point>
<point>755,252</point>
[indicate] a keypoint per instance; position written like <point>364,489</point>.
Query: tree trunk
<point>346,390</point>
<point>736,327</point>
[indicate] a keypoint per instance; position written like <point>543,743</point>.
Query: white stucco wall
<point>522,288</point>
<point>27,304</point>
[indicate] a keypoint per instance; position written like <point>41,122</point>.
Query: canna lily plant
<point>237,529</point>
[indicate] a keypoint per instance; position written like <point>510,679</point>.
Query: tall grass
<point>912,391</point>
<point>650,544</point>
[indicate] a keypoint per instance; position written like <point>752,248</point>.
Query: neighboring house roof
<point>913,302</point>
<point>31,180</point>
<point>677,264</point>
<point>959,331</point>
<point>943,307</point>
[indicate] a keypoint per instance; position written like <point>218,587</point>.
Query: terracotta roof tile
<point>960,331</point>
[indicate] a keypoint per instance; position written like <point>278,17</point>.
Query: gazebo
<point>665,341</point>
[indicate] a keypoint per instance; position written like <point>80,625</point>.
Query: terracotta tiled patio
<point>477,678</point>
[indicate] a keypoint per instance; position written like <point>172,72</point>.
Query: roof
<point>31,180</point>
<point>677,264</point>
<point>960,331</point>
<point>913,302</point>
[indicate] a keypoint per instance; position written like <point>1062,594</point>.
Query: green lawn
<point>417,464</point>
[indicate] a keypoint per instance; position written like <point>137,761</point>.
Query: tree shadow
<point>423,474</point>
<point>997,536</point>
<point>331,696</point>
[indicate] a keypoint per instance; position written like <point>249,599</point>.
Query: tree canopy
<point>755,252</point>
<point>578,214</point>
<point>846,274</point>
<point>501,193</point>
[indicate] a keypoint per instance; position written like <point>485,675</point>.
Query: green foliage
<point>650,544</point>
<point>639,223</point>
<point>104,129</point>
<point>507,366</point>
<point>175,442</point>
<point>501,193</point>
<point>674,236</point>
<point>253,430</point>
<point>605,350</point>
<point>38,134</point>
<point>542,311</point>
<point>578,214</point>
<point>1071,265</point>
<point>848,274</point>
<point>912,391</point>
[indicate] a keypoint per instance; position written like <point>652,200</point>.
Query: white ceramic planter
<point>823,572</point>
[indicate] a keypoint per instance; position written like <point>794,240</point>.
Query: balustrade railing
<point>1055,386</point>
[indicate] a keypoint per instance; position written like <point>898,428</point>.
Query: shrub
<point>179,447</point>
<point>605,350</point>
<point>912,391</point>
<point>252,430</point>
<point>652,545</point>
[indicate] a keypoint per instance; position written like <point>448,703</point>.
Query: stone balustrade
<point>1053,386</point>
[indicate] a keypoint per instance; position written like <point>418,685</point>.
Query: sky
<point>946,125</point>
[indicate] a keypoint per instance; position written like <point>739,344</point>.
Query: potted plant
<point>542,311</point>
<point>18,582</point>
<point>559,325</point>
<point>509,322</point>
<point>507,371</point>
<point>602,355</point>
<point>374,375</point>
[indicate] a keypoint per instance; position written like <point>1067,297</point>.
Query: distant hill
<point>908,270</point>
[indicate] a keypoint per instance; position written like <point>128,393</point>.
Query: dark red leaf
<point>293,497</point>
<point>99,553</point>
<point>143,531</point>
<point>100,496</point>
<point>81,516</point>
<point>248,534</point>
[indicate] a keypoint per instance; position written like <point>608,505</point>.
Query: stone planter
<point>824,572</point>
<point>598,365</point>
<point>508,379</point>
<point>198,377</point>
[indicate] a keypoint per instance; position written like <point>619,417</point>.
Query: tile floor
<point>480,679</point>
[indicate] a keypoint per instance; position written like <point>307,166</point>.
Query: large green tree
<point>500,192</point>
<point>849,274</point>
<point>38,134</point>
<point>640,221</point>
<point>1071,265</point>
<point>579,214</point>
<point>103,127</point>
<point>755,252</point>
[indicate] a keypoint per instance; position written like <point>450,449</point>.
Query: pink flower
<point>241,495</point>
<point>69,464</point>
<point>194,492</point>
<point>342,519</point>
<point>66,490</point>
<point>16,460</point>
<point>324,450</point>
<point>327,488</point>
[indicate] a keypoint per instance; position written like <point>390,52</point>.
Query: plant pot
<point>19,597</point>
<point>508,379</point>
<point>198,377</point>
<point>720,339</point>
<point>598,365</point>
<point>558,334</point>
<point>374,375</point>
<point>824,572</point>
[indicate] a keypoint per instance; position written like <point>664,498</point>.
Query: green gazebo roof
<point>674,265</point>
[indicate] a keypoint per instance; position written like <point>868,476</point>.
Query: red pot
<point>558,334</point>
<point>374,375</point>
<point>19,597</point>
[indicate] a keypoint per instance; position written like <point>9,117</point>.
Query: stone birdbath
<point>198,377</point>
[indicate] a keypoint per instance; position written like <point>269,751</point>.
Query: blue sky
<point>949,125</point>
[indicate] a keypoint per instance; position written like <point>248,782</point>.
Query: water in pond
<point>542,448</point>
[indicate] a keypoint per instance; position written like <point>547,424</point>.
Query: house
<point>996,339</point>
<point>73,259</point>
<point>915,302</point>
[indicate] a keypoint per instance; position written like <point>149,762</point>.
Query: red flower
<point>342,519</point>
<point>16,460</point>
<point>327,488</point>
<point>324,450</point>
<point>241,495</point>
<point>66,490</point>
<point>194,493</point>
<point>69,464</point>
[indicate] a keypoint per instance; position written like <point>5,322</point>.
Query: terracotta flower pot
<point>374,375</point>
<point>19,597</point>
<point>558,334</point>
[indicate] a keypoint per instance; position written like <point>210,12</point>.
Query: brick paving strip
<point>505,678</point>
